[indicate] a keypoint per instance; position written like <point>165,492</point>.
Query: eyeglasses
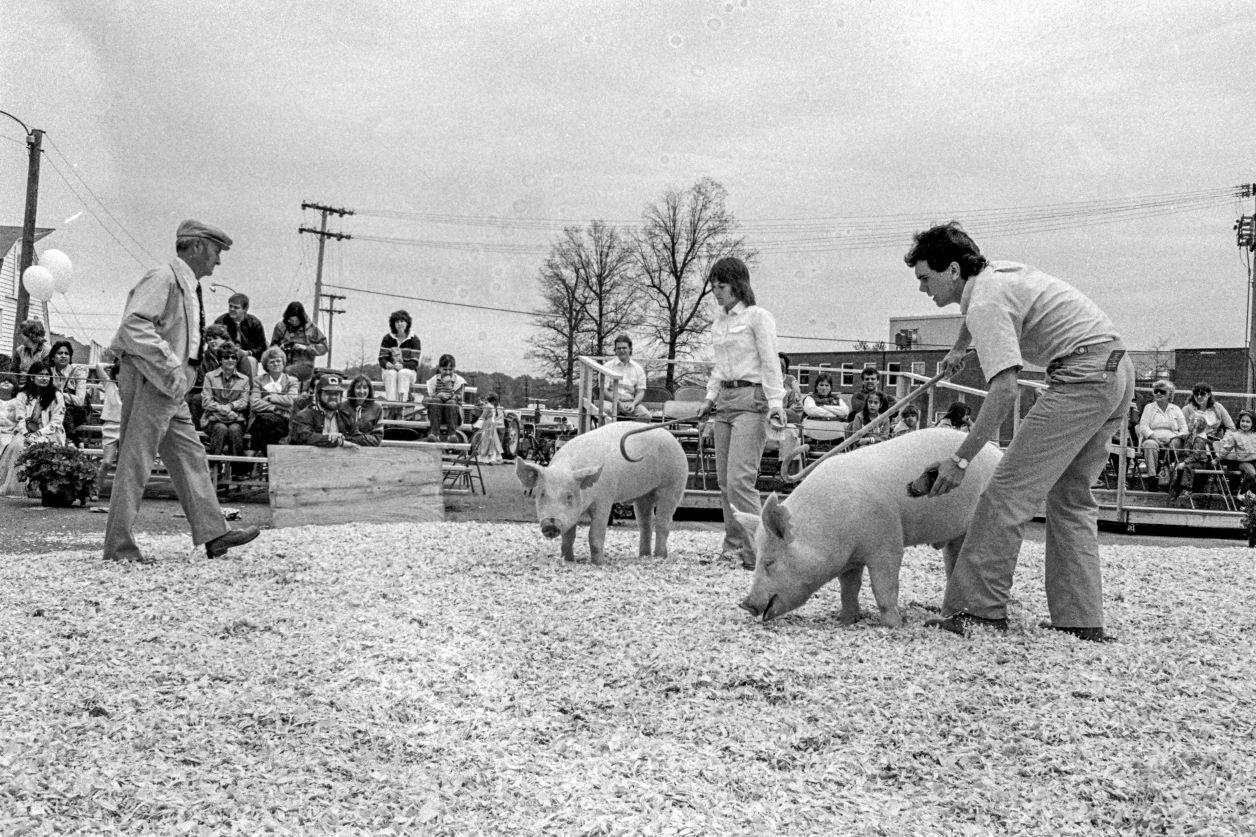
<point>1160,392</point>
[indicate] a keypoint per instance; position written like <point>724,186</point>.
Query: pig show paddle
<point>863,431</point>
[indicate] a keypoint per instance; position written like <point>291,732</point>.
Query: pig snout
<point>550,527</point>
<point>760,607</point>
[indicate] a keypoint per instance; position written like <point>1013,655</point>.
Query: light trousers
<point>153,422</point>
<point>1056,456</point>
<point>397,383</point>
<point>740,430</point>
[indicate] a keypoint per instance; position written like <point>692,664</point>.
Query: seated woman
<point>958,416</point>
<point>908,420</point>
<point>1162,427</point>
<point>274,395</point>
<point>870,412</point>
<point>399,354</point>
<point>823,403</point>
<point>301,340</point>
<point>1201,403</point>
<point>71,379</point>
<point>359,415</point>
<point>39,415</point>
<point>225,407</point>
<point>1238,450</point>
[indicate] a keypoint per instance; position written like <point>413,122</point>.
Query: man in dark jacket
<point>319,424</point>
<point>242,327</point>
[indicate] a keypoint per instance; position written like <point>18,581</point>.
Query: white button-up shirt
<point>632,382</point>
<point>745,350</point>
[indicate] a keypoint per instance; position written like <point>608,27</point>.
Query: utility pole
<point>323,235</point>
<point>331,311</point>
<point>34,147</point>
<point>1245,236</point>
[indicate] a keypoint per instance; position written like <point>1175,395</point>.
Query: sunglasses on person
<point>1160,392</point>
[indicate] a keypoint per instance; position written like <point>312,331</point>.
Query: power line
<point>92,212</point>
<point>121,226</point>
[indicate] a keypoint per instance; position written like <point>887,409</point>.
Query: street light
<point>34,139</point>
<point>213,288</point>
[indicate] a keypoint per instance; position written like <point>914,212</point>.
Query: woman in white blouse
<point>1162,427</point>
<point>744,392</point>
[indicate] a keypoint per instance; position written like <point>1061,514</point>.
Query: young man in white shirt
<point>1014,315</point>
<point>625,395</point>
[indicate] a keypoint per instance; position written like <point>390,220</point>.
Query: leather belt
<point>737,384</point>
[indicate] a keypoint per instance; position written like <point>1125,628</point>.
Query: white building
<point>10,256</point>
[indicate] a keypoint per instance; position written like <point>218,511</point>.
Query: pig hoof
<point>570,558</point>
<point>851,618</point>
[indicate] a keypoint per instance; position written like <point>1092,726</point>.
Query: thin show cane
<point>863,431</point>
<point>652,426</point>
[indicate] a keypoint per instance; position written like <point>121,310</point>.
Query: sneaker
<point>963,623</point>
<point>1088,634</point>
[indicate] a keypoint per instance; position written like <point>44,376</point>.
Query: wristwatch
<point>960,462</point>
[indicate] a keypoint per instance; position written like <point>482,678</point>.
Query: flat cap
<point>197,229</point>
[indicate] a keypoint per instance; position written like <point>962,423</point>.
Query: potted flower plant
<point>63,474</point>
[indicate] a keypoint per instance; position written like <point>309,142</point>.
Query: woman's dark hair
<point>865,412</point>
<point>216,330</point>
<point>784,358</point>
<point>295,309</point>
<point>1202,388</point>
<point>228,348</point>
<point>33,330</point>
<point>45,394</point>
<point>733,272</point>
<point>823,378</point>
<point>1251,415</point>
<point>57,347</point>
<point>910,410</point>
<point>956,413</point>
<point>939,246</point>
<point>446,360</point>
<point>353,400</point>
<point>492,398</point>
<point>400,316</point>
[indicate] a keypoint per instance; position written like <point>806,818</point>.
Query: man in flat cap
<point>158,346</point>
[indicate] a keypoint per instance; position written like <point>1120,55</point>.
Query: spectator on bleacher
<point>1162,427</point>
<point>319,423</point>
<point>490,422</point>
<point>871,410</point>
<point>445,395</point>
<point>624,396</point>
<point>399,355</point>
<point>1237,450</point>
<point>39,410</point>
<point>301,340</point>
<point>793,392</point>
<point>823,403</point>
<point>869,382</point>
<point>32,346</point>
<point>215,336</point>
<point>958,416</point>
<point>8,420</point>
<point>110,418</point>
<point>359,414</point>
<point>1196,453</point>
<point>1202,403</point>
<point>242,327</point>
<point>225,400</point>
<point>71,380</point>
<point>908,420</point>
<point>274,395</point>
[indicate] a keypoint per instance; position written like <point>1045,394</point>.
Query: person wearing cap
<point>1014,315</point>
<point>320,424</point>
<point>158,346</point>
<point>745,392</point>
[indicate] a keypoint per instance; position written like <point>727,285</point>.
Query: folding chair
<point>462,471</point>
<point>1212,475</point>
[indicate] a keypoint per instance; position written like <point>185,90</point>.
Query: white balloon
<point>38,282</point>
<point>61,268</point>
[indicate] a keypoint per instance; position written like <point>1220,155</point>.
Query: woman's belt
<point>738,384</point>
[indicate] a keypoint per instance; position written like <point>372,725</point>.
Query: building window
<point>804,377</point>
<point>892,369</point>
<point>848,375</point>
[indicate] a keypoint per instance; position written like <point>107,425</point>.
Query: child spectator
<point>872,408</point>
<point>1238,450</point>
<point>793,392</point>
<point>32,346</point>
<point>110,422</point>
<point>301,340</point>
<point>868,379</point>
<point>274,394</point>
<point>319,423</point>
<point>39,415</point>
<point>491,420</point>
<point>359,415</point>
<point>1196,453</point>
<point>445,389</point>
<point>399,354</point>
<point>1201,403</point>
<point>1162,427</point>
<point>908,420</point>
<point>823,403</point>
<point>226,398</point>
<point>958,416</point>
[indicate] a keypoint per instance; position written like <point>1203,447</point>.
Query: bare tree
<point>604,262</point>
<point>563,321</point>
<point>681,236</point>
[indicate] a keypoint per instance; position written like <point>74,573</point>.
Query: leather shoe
<point>234,537</point>
<point>962,623</point>
<point>1088,634</point>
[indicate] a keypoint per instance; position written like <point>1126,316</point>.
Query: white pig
<point>588,473</point>
<point>854,511</point>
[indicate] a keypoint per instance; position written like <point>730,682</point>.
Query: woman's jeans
<point>740,429</point>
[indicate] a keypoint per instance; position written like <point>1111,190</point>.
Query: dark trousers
<point>267,429</point>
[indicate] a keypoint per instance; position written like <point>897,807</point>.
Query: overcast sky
<point>236,112</point>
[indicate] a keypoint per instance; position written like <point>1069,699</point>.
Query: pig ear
<point>749,522</point>
<point>776,519</point>
<point>527,473</point>
<point>585,477</point>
